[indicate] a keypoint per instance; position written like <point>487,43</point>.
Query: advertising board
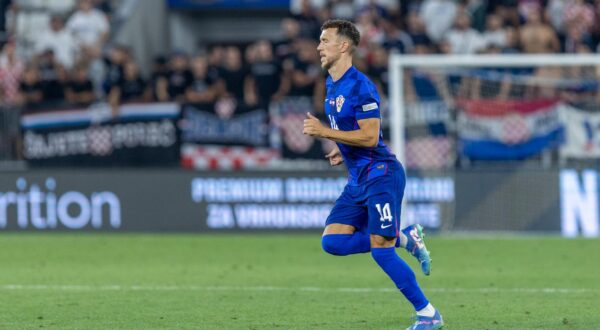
<point>174,200</point>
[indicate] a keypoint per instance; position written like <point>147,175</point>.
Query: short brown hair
<point>344,28</point>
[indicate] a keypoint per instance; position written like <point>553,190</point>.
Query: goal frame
<point>399,62</point>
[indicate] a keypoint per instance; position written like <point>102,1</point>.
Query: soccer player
<point>366,217</point>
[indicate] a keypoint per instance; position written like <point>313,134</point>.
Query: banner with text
<point>103,200</point>
<point>140,135</point>
<point>224,123</point>
<point>225,136</point>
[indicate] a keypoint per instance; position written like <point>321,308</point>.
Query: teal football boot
<point>415,245</point>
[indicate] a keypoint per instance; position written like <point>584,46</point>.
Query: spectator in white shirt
<point>462,38</point>
<point>494,34</point>
<point>438,16</point>
<point>60,41</point>
<point>90,28</point>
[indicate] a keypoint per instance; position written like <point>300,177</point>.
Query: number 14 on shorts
<point>384,213</point>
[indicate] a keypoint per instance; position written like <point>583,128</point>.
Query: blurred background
<point>186,116</point>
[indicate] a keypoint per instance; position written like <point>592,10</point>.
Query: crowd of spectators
<point>64,62</point>
<point>70,66</point>
<point>272,69</point>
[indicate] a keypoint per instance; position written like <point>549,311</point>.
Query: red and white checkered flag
<point>100,141</point>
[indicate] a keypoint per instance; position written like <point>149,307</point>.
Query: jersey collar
<point>330,81</point>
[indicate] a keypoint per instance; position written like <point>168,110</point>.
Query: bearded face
<point>329,48</point>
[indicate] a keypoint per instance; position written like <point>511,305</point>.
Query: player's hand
<point>335,157</point>
<point>313,126</point>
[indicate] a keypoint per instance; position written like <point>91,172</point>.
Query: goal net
<point>447,111</point>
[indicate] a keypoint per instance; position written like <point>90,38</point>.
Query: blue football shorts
<point>374,206</point>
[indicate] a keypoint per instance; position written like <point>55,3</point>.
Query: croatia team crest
<point>339,103</point>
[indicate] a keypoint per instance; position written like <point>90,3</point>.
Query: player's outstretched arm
<point>366,136</point>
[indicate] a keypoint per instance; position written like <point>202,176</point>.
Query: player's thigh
<point>338,228</point>
<point>346,217</point>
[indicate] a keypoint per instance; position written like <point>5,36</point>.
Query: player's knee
<point>378,241</point>
<point>333,245</point>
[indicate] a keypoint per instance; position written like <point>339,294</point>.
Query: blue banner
<point>239,126</point>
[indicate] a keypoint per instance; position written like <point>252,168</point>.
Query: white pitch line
<point>116,287</point>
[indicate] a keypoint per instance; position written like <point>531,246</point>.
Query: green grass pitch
<point>142,281</point>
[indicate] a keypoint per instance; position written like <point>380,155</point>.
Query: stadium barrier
<point>179,201</point>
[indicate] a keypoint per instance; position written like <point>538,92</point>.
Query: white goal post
<point>399,62</point>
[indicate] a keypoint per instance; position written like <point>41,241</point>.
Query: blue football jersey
<point>352,98</point>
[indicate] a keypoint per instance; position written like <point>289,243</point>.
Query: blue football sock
<point>401,274</point>
<point>345,244</point>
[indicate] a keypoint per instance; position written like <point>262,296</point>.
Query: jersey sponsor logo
<point>370,106</point>
<point>339,102</point>
<point>384,227</point>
